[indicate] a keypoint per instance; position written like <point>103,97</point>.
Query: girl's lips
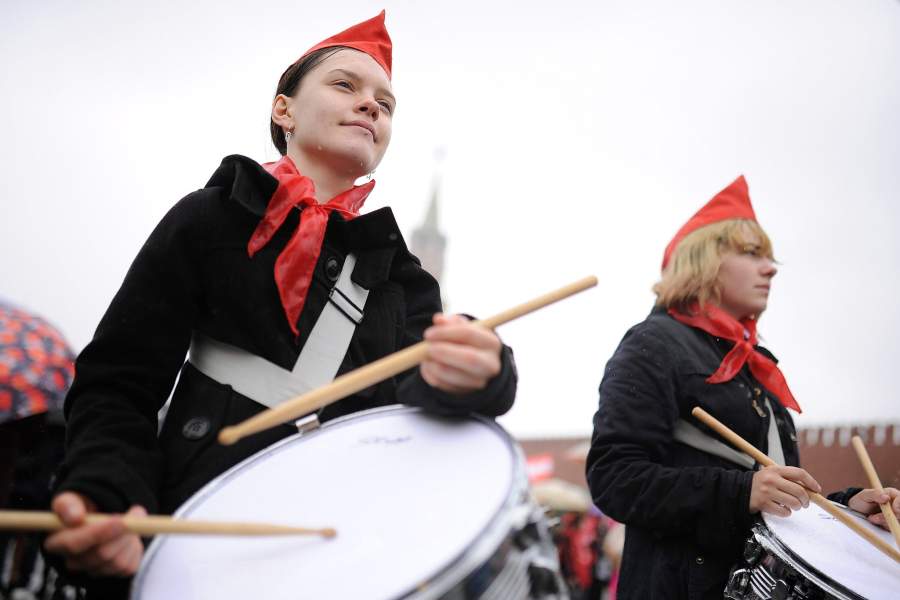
<point>367,126</point>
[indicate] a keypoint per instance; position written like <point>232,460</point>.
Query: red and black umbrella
<point>36,365</point>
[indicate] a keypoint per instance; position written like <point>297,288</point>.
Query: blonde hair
<point>693,269</point>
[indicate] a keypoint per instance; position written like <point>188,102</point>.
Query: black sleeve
<point>843,496</point>
<point>423,300</point>
<point>626,464</point>
<point>126,372</point>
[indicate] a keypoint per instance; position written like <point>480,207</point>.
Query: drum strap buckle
<point>308,423</point>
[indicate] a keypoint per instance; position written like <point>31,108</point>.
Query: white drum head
<point>407,493</point>
<point>831,548</point>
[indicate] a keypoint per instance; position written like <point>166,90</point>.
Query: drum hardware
<point>308,423</point>
<point>783,560</point>
<point>752,552</point>
<point>410,525</point>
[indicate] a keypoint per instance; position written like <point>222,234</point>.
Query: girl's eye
<point>344,84</point>
<point>386,106</point>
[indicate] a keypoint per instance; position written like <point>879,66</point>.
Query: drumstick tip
<point>229,436</point>
<point>329,532</point>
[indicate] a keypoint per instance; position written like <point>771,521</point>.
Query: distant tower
<point>428,242</point>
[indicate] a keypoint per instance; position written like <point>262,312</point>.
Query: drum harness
<point>269,384</point>
<point>690,435</point>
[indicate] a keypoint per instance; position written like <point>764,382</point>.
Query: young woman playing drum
<point>245,274</point>
<point>687,499</point>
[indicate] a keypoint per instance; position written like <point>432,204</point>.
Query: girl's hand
<point>98,549</point>
<point>867,502</point>
<point>462,357</point>
<point>779,490</point>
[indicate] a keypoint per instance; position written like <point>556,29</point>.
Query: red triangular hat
<point>369,36</point>
<point>731,203</point>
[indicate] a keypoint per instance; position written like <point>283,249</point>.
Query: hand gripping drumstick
<point>27,520</point>
<point>818,499</point>
<point>381,369</point>
<point>869,468</point>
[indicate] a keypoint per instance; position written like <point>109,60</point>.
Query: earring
<point>287,136</point>
<point>370,176</point>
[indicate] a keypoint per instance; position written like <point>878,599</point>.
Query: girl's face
<point>342,114</point>
<point>745,277</point>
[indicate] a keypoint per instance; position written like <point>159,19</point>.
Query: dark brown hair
<point>290,81</point>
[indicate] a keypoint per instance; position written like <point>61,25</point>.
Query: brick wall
<point>827,454</point>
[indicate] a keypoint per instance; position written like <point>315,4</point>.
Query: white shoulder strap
<point>690,435</point>
<point>319,360</point>
<point>776,452</point>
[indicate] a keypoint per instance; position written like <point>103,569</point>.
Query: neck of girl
<point>329,181</point>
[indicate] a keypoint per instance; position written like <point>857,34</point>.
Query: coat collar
<point>375,235</point>
<point>246,182</point>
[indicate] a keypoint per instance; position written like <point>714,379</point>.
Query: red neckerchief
<point>294,266</point>
<point>715,321</point>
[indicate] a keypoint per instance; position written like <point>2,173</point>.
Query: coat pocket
<point>192,455</point>
<point>194,419</point>
<point>708,575</point>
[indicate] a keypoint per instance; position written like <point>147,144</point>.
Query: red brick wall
<point>829,457</point>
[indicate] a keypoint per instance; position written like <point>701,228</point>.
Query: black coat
<point>686,511</point>
<point>194,274</point>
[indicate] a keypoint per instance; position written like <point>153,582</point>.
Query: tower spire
<point>428,242</point>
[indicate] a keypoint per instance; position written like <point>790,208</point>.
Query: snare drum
<point>812,555</point>
<point>424,506</point>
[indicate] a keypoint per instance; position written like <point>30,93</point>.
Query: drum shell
<point>812,555</point>
<point>513,553</point>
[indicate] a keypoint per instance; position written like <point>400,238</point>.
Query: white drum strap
<point>776,452</point>
<point>689,435</point>
<point>319,360</point>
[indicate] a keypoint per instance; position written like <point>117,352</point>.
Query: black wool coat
<point>194,274</point>
<point>686,511</point>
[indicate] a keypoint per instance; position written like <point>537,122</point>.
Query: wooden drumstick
<point>27,520</point>
<point>817,498</point>
<point>379,370</point>
<point>875,482</point>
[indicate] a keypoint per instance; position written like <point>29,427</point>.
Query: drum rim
<point>437,583</point>
<point>770,540</point>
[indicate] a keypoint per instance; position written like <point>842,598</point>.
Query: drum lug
<point>738,585</point>
<point>543,580</point>
<point>753,551</point>
<point>780,591</point>
<point>524,538</point>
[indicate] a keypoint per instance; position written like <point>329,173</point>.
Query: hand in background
<point>867,502</point>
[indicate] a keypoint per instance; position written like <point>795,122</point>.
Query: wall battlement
<point>827,454</point>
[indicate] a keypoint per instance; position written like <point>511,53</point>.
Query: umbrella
<point>36,365</point>
<point>562,496</point>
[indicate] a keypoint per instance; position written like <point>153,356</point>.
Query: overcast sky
<point>579,137</point>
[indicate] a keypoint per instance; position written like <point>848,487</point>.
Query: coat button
<point>699,560</point>
<point>393,236</point>
<point>195,428</point>
<point>332,269</point>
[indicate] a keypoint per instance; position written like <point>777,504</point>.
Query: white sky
<point>579,138</point>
